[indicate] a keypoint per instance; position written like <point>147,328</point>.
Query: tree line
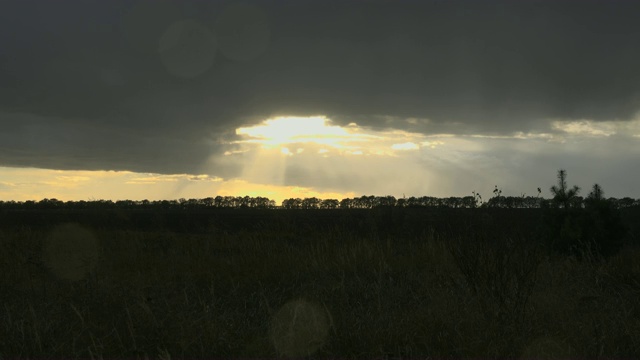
<point>209,202</point>
<point>363,202</point>
<point>467,202</point>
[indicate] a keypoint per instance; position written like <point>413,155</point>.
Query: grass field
<point>282,289</point>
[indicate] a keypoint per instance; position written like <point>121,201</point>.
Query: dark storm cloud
<point>30,141</point>
<point>115,85</point>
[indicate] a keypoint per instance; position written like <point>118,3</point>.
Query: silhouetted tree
<point>310,203</point>
<point>329,204</point>
<point>625,202</point>
<point>588,232</point>
<point>597,194</point>
<point>468,202</point>
<point>413,202</point>
<point>562,195</point>
<point>292,203</point>
<point>193,203</point>
<point>345,203</point>
<point>604,228</point>
<point>477,199</point>
<point>562,226</point>
<point>384,201</point>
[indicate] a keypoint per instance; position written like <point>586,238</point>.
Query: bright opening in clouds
<point>405,146</point>
<point>318,134</point>
<point>291,130</point>
<point>598,128</point>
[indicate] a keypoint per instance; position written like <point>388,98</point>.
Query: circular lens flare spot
<point>71,251</point>
<point>299,328</point>
<point>187,49</point>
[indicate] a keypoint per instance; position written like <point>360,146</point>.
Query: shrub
<point>604,227</point>
<point>593,231</point>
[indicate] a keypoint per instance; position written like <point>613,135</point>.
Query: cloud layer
<point>162,86</point>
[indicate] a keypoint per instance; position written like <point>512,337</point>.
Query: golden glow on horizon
<point>277,193</point>
<point>22,184</point>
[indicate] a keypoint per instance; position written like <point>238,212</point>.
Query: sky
<point>142,99</point>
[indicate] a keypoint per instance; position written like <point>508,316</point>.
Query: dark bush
<point>593,231</point>
<point>604,227</point>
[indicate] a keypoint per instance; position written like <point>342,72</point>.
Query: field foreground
<point>373,285</point>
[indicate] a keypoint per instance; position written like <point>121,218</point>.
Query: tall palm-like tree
<point>597,193</point>
<point>561,193</point>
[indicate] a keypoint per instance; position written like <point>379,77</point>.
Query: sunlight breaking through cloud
<point>157,178</point>
<point>432,144</point>
<point>287,130</point>
<point>593,128</point>
<point>279,155</point>
<point>585,127</point>
<point>319,131</point>
<point>405,146</point>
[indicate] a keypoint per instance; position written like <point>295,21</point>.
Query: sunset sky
<point>177,99</point>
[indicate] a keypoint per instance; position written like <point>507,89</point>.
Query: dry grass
<point>279,291</point>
